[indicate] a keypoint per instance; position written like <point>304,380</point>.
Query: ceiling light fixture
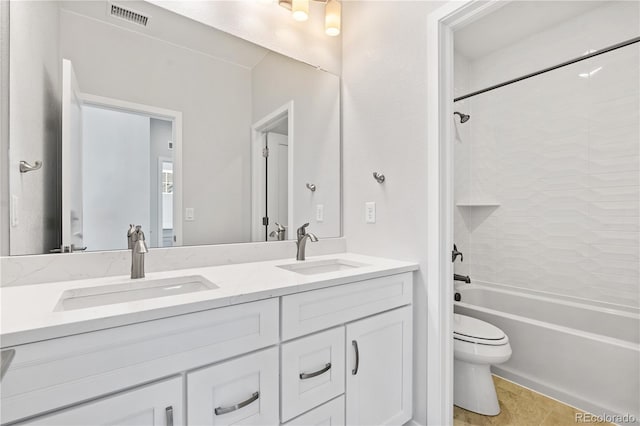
<point>332,13</point>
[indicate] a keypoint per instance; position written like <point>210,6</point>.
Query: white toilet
<point>476,346</point>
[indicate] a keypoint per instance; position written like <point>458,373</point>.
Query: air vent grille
<point>129,15</point>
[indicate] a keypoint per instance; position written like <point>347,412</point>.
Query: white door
<point>243,391</point>
<point>159,404</point>
<point>72,217</point>
<point>379,354</point>
<point>277,180</point>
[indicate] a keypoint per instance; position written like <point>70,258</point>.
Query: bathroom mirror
<point>142,116</point>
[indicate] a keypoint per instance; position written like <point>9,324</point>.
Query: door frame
<point>159,189</point>
<point>163,114</point>
<point>441,24</point>
<point>258,130</point>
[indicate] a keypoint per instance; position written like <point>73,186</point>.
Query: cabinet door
<point>242,391</point>
<point>159,404</point>
<point>379,368</point>
<point>312,371</point>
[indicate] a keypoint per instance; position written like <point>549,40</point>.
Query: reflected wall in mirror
<point>199,136</point>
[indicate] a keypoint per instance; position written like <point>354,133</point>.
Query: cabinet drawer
<point>159,404</point>
<point>60,372</point>
<point>243,391</point>
<point>329,414</point>
<point>310,311</point>
<point>312,371</point>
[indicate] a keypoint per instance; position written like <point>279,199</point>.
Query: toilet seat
<point>473,330</point>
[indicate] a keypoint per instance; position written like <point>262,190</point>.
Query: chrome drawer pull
<point>326,368</point>
<point>5,361</point>
<point>224,410</point>
<point>355,347</point>
<point>169,415</point>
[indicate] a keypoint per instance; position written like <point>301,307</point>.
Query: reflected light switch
<point>189,214</point>
<point>14,210</point>
<point>319,212</point>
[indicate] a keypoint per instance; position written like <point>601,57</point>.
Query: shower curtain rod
<point>555,67</point>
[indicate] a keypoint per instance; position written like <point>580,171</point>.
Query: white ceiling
<point>513,22</point>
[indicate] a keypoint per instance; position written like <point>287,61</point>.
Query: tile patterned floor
<point>520,407</point>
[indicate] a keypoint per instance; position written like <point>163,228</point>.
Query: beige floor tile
<point>520,407</point>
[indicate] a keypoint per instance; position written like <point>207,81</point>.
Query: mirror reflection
<point>146,117</point>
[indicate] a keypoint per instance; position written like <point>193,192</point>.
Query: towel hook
<point>311,187</point>
<point>26,167</point>
<point>379,177</point>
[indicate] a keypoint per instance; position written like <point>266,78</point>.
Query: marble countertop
<point>28,312</point>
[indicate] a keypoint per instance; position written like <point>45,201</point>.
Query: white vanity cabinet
<point>330,356</point>
<point>375,318</point>
<point>158,404</point>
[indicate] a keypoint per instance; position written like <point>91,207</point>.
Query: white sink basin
<point>321,266</point>
<point>129,291</point>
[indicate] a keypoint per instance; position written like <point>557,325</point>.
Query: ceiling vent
<point>128,15</point>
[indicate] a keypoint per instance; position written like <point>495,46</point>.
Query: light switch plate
<point>319,212</point>
<point>189,214</point>
<point>14,210</point>
<point>370,212</point>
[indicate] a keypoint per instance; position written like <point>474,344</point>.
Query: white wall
<point>277,80</point>
<point>115,176</point>
<point>214,97</point>
<point>384,116</point>
<point>560,152</point>
<point>35,125</point>
<point>269,25</point>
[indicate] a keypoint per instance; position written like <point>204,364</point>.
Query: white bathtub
<point>587,355</point>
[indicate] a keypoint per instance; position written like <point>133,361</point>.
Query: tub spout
<point>465,278</point>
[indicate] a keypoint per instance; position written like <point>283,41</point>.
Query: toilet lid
<point>475,331</point>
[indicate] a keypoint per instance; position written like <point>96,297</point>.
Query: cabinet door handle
<point>355,347</point>
<point>168,412</point>
<point>323,370</point>
<point>224,410</point>
<point>5,361</point>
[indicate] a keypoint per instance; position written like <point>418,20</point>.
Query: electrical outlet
<point>370,212</point>
<point>190,214</point>
<point>319,212</point>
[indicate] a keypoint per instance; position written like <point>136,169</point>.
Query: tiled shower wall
<point>560,155</point>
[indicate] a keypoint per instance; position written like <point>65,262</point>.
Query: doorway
<point>272,169</point>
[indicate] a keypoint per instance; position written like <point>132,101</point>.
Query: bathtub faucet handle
<point>455,253</point>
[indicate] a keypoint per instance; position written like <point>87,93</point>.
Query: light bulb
<point>300,10</point>
<point>332,18</point>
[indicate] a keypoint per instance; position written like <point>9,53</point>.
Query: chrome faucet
<point>279,233</point>
<point>138,247</point>
<point>302,241</point>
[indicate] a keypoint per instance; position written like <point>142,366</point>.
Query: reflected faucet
<point>279,233</point>
<point>138,249</point>
<point>302,241</point>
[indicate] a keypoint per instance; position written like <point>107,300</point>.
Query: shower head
<point>463,117</point>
